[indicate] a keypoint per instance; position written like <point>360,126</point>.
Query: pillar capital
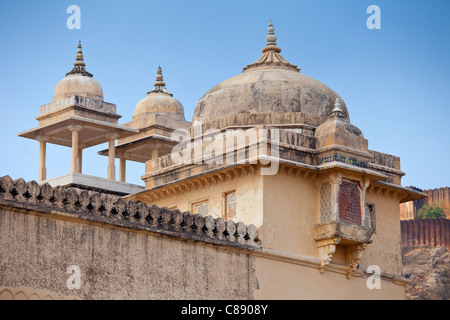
<point>43,138</point>
<point>336,179</point>
<point>74,127</point>
<point>113,135</point>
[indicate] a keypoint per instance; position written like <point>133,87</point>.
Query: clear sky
<point>395,80</point>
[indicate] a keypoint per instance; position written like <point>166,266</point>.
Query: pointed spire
<point>160,85</point>
<point>79,65</point>
<point>337,111</point>
<point>271,57</point>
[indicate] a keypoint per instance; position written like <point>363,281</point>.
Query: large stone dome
<point>267,90</point>
<point>159,101</point>
<point>270,85</point>
<point>78,82</point>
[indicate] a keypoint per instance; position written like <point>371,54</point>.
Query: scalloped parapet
<point>114,210</point>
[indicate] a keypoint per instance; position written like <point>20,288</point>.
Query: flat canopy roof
<point>93,132</point>
<point>140,150</point>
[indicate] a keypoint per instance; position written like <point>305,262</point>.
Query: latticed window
<point>325,202</point>
<point>350,202</point>
<point>230,205</point>
<point>200,208</point>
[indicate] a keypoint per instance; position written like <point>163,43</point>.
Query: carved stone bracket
<point>327,248</point>
<point>353,254</point>
<point>353,239</point>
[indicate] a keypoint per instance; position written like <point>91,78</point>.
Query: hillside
<point>429,270</point>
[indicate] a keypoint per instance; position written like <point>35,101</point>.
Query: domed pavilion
<point>155,117</point>
<point>302,173</point>
<point>270,148</point>
<point>79,118</point>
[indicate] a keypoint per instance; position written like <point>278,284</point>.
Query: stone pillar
<point>365,219</point>
<point>42,158</point>
<point>112,157</point>
<point>154,153</point>
<point>80,159</point>
<point>335,181</point>
<point>123,168</point>
<point>75,163</point>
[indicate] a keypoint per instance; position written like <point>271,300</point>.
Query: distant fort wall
<point>426,232</point>
<point>439,197</point>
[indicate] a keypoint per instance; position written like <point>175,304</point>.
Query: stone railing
<point>285,138</point>
<point>78,101</point>
<point>110,209</point>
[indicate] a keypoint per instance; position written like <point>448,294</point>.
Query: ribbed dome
<point>269,85</point>
<point>159,101</point>
<point>78,82</point>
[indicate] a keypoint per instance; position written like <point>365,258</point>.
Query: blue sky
<point>395,81</point>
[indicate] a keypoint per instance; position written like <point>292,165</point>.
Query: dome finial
<point>271,57</point>
<point>79,65</point>
<point>160,85</point>
<point>271,37</point>
<point>337,111</point>
<point>79,58</point>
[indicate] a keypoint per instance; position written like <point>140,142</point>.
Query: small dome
<point>159,101</point>
<point>78,82</point>
<point>338,124</point>
<point>270,85</point>
<point>80,85</point>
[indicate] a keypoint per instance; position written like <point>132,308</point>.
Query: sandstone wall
<point>440,197</point>
<point>435,198</point>
<point>126,250</point>
<point>122,250</point>
<point>427,232</point>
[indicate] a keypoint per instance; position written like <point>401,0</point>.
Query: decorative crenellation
<point>111,209</point>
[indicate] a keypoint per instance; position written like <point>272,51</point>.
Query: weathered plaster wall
<point>385,250</point>
<point>36,251</point>
<point>117,263</point>
<point>248,198</point>
<point>289,214</point>
<point>291,211</point>
<point>131,251</point>
<point>293,279</point>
